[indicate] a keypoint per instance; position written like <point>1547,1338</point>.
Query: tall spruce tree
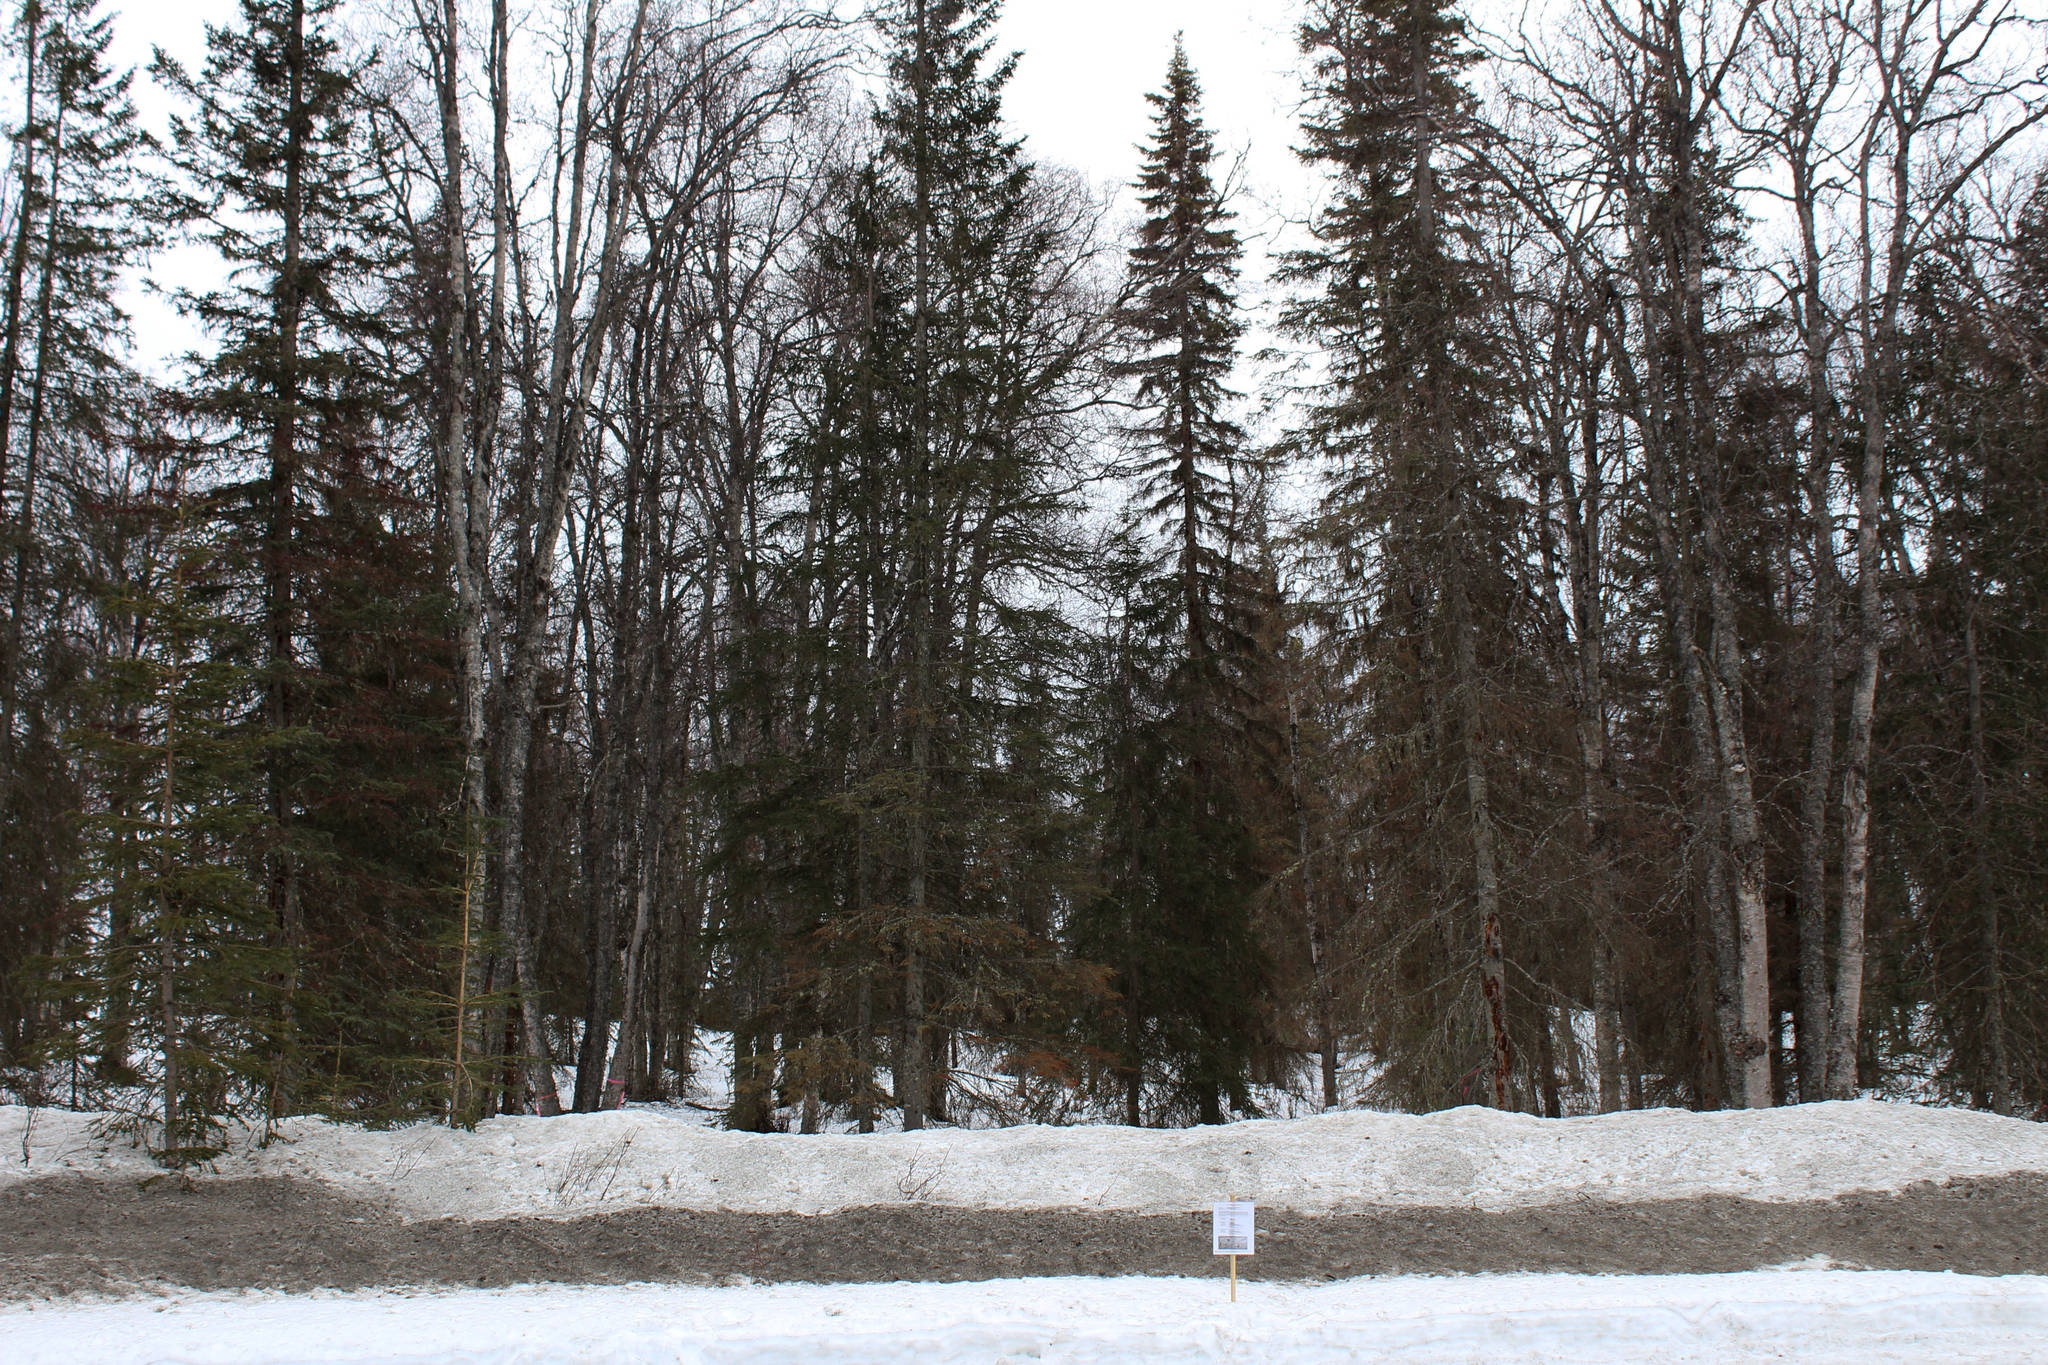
<point>899,833</point>
<point>1974,409</point>
<point>76,223</point>
<point>1181,313</point>
<point>995,343</point>
<point>1408,426</point>
<point>843,472</point>
<point>274,152</point>
<point>942,131</point>
<point>1185,857</point>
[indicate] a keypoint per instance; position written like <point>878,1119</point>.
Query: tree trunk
<point>1485,877</point>
<point>1996,1063</point>
<point>1584,507</point>
<point>912,1063</point>
<point>1815,1005</point>
<point>864,1053</point>
<point>23,529</point>
<point>10,367</point>
<point>537,1061</point>
<point>569,384</point>
<point>1606,1029</point>
<point>631,1006</point>
<point>864,1000</point>
<point>1752,1055</point>
<point>17,264</point>
<point>1843,1080</point>
<point>1880,346</point>
<point>280,531</point>
<point>1663,475</point>
<point>461,507</point>
<point>1318,948</point>
<point>167,920</point>
<point>1546,1067</point>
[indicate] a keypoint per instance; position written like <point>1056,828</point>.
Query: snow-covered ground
<point>1475,1158</point>
<point>579,1164</point>
<point>1859,1318</point>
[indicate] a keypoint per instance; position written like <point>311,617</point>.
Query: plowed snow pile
<point>1474,1158</point>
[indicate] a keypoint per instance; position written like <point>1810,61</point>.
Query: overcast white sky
<point>1078,97</point>
<point>1079,93</point>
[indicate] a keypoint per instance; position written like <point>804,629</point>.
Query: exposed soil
<point>71,1235</point>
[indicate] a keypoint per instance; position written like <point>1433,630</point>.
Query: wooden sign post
<point>1231,1234</point>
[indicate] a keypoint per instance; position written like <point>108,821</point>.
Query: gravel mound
<point>64,1236</point>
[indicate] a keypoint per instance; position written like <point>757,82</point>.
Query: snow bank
<point>1857,1318</point>
<point>1481,1158</point>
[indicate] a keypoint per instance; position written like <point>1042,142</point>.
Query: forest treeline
<point>679,526</point>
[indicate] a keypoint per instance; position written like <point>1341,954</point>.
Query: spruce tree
<point>275,150</point>
<point>79,174</point>
<point>1966,729</point>
<point>943,136</point>
<point>934,498</point>
<point>988,356</point>
<point>1185,858</point>
<point>176,835</point>
<point>1180,312</point>
<point>1407,425</point>
<point>842,473</point>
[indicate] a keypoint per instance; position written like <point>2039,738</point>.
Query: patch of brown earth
<point>62,1236</point>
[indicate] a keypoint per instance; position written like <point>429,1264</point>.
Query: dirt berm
<point>72,1235</point>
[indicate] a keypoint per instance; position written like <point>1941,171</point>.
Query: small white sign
<point>1230,1228</point>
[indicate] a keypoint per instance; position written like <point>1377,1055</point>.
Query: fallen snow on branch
<point>1858,1318</point>
<point>584,1163</point>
